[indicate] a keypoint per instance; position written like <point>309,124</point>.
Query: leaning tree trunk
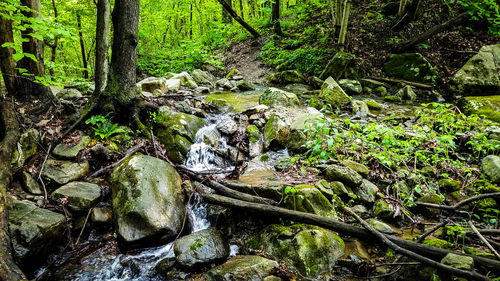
<point>102,45</point>
<point>82,47</point>
<point>275,17</point>
<point>238,18</point>
<point>7,63</point>
<point>345,22</point>
<point>226,17</point>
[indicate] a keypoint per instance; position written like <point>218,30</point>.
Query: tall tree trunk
<point>102,45</point>
<point>191,21</point>
<point>238,19</point>
<point>241,10</point>
<point>226,16</point>
<point>275,17</point>
<point>82,46</point>
<point>7,63</point>
<point>338,13</point>
<point>53,46</point>
<point>345,22</point>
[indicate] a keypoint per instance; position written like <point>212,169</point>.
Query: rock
<point>488,106</point>
<point>345,175</point>
<point>309,199</point>
<point>227,126</point>
<point>253,133</point>
<point>438,243</point>
<point>202,90</point>
<point>339,188</point>
<point>480,75</point>
<point>309,249</point>
<point>380,91</point>
<point>102,215</point>
<point>493,132</point>
<point>249,268</point>
<point>367,191</point>
<point>30,184</point>
<point>458,261</point>
<point>152,84</point>
<point>298,89</point>
<point>34,232</point>
<point>186,80</point>
<point>381,226</point>
<point>225,84</point>
<point>351,87</point>
<point>361,210</point>
<point>211,137</point>
<point>373,105</point>
<point>406,93</point>
<point>184,107</point>
<point>200,248</point>
<point>383,210</point>
<point>70,152</point>
<point>338,65</point>
<point>360,108</point>
<point>283,163</point>
<point>358,167</point>
<point>147,199</point>
<point>275,132</point>
<point>68,94</point>
<point>372,84</point>
<point>274,78</point>
<point>177,132</point>
<point>261,108</point>
<point>256,146</point>
<point>221,105</point>
<point>26,148</point>
<point>333,94</point>
<point>63,172</point>
<point>81,195</point>
<point>299,134</point>
<point>274,97</point>
<point>243,85</point>
<point>450,184</point>
<point>203,78</point>
<point>292,77</point>
<point>433,199</point>
<point>232,73</point>
<point>325,188</point>
<point>173,84</point>
<point>412,67</point>
<point>316,103</point>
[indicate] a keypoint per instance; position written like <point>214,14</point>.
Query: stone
<point>339,188</point>
<point>370,83</point>
<point>358,167</point>
<point>325,188</point>
<point>351,87</point>
<point>360,210</point>
<point>274,78</point>
<point>367,192</point>
<point>200,248</point>
<point>152,84</point>
<point>81,195</point>
<point>316,82</point>
<point>186,80</point>
<point>283,163</point>
<point>253,134</point>
<point>232,73</point>
<point>438,243</point>
<point>173,84</point>
<point>203,78</point>
<point>411,67</point>
<point>34,232</point>
<point>70,152</point>
<point>300,129</point>
<point>381,226</point>
<point>493,132</point>
<point>292,77</point>
<point>311,250</point>
<point>62,172</point>
<point>68,94</point>
<point>489,106</point>
<point>248,268</point>
<point>383,210</point>
<point>221,105</point>
<point>225,84</point>
<point>480,75</point>
<point>211,137</point>
<point>450,184</point>
<point>147,199</point>
<point>309,199</point>
<point>274,97</point>
<point>333,94</point>
<point>30,184</point>
<point>177,132</point>
<point>406,93</point>
<point>458,261</point>
<point>202,90</point>
<point>380,91</point>
<point>101,215</point>
<point>243,85</point>
<point>27,146</point>
<point>433,199</point>
<point>345,175</point>
<point>275,132</point>
<point>360,108</point>
<point>261,108</point>
<point>338,65</point>
<point>298,89</point>
<point>227,126</point>
<point>373,105</point>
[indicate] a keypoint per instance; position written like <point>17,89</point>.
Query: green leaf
<point>18,56</point>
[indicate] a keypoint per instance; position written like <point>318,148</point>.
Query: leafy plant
<point>103,127</point>
<point>488,10</point>
<point>292,192</point>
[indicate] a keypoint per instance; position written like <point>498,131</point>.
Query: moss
<point>412,67</point>
<point>253,133</point>
<point>373,105</point>
<point>449,184</point>
<point>232,73</point>
<point>316,103</point>
<point>380,91</point>
<point>489,106</point>
<point>392,98</point>
<point>239,101</point>
<point>264,158</point>
<point>486,203</point>
<point>438,243</point>
<point>476,252</point>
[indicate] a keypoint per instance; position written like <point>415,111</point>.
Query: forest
<point>250,140</point>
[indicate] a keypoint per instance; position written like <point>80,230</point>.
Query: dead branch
<point>474,229</point>
<point>459,204</point>
<point>129,153</point>
<point>430,231</point>
<point>395,81</point>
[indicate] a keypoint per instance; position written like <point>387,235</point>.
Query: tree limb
<point>459,204</point>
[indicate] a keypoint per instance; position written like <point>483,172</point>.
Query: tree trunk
<point>238,19</point>
<point>7,63</point>
<point>275,17</point>
<point>82,46</point>
<point>102,45</point>
<point>242,13</point>
<point>345,22</point>
<point>226,16</point>
<point>9,136</point>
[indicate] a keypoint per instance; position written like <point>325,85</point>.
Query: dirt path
<point>244,56</point>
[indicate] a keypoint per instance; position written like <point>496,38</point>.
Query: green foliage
<point>483,10</point>
<point>103,127</point>
<point>291,192</point>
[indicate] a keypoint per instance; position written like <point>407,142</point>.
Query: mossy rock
<point>438,243</point>
<point>275,132</point>
<point>393,98</point>
<point>412,67</point>
<point>358,167</point>
<point>488,106</point>
<point>373,105</point>
<point>432,199</point>
<point>274,97</point>
<point>249,268</point>
<point>309,199</point>
<point>253,133</point>
<point>383,210</point>
<point>450,184</point>
<point>476,252</point>
<point>333,94</point>
<point>338,65</point>
<point>316,103</point>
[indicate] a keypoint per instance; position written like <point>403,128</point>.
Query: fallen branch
<point>129,153</point>
<point>474,229</point>
<point>395,81</point>
<point>345,229</point>
<point>459,204</point>
<point>235,16</point>
<point>430,231</point>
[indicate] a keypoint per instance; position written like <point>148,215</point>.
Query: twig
<point>459,204</point>
<point>83,227</point>
<point>484,240</point>
<point>430,231</point>
<point>45,196</point>
<point>129,153</point>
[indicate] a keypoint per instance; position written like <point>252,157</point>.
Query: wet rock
<point>200,248</point>
<point>283,163</point>
<point>225,84</point>
<point>102,215</point>
<point>26,148</point>
<point>261,108</point>
<point>373,105</point>
<point>34,232</point>
<point>381,226</point>
<point>358,167</point>
<point>63,151</point>
<point>367,192</point>
<point>491,167</point>
<point>309,249</point>
<point>480,75</point>
<point>30,184</point>
<point>412,67</point>
<point>243,85</point>
<point>274,97</point>
<point>81,195</point>
<point>147,199</point>
<point>489,106</point>
<point>153,84</point>
<point>351,87</point>
<point>298,89</point>
<point>203,78</point>
<point>333,94</point>
<point>383,210</point>
<point>249,268</point>
<point>62,172</point>
<point>173,84</point>
<point>458,261</point>
<point>186,80</point>
<point>211,137</point>
<point>345,175</point>
<point>406,93</point>
<point>338,65</point>
<point>221,105</point>
<point>309,199</point>
<point>360,108</point>
<point>227,126</point>
<point>275,132</point>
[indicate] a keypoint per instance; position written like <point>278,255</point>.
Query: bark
<point>9,136</point>
<point>345,22</point>
<point>343,228</point>
<point>241,10</point>
<point>275,17</point>
<point>7,63</point>
<point>238,18</point>
<point>226,16</point>
<point>82,46</point>
<point>102,45</point>
<point>53,46</point>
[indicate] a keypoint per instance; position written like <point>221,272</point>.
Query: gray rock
<point>275,132</point>
<point>63,151</point>
<point>458,261</point>
<point>274,97</point>
<point>261,108</point>
<point>26,148</point>
<point>491,167</point>
<point>345,175</point>
<point>339,188</point>
<point>381,226</point>
<point>282,163</point>
<point>227,126</point>
<point>63,172</point>
<point>358,167</point>
<point>200,248</point>
<point>202,90</point>
<point>186,80</point>
<point>30,184</point>
<point>81,195</point>
<point>152,84</point>
<point>333,94</point>
<point>211,137</point>
<point>367,192</point>
<point>360,108</point>
<point>68,94</point>
<point>412,67</point>
<point>351,87</point>
<point>173,84</point>
<point>203,78</point>
<point>225,84</point>
<point>248,268</point>
<point>338,65</point>
<point>244,86</point>
<point>147,199</point>
<point>383,210</point>
<point>298,89</point>
<point>221,105</point>
<point>406,93</point>
<point>102,215</point>
<point>309,199</point>
<point>361,210</point>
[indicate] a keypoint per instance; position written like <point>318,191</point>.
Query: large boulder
<point>186,80</point>
<point>458,261</point>
<point>203,78</point>
<point>292,77</point>
<point>367,191</point>
<point>309,199</point>
<point>333,94</point>
<point>344,174</point>
<point>338,65</point>
<point>274,97</point>
<point>412,67</point>
<point>491,167</point>
<point>173,84</point>
<point>63,172</point>
<point>153,84</point>
<point>488,106</point>
<point>200,248</point>
<point>248,268</point>
<point>34,232</point>
<point>81,195</point>
<point>275,132</point>
<point>300,128</point>
<point>309,249</point>
<point>147,199</point>
<point>177,132</point>
<point>28,143</point>
<point>480,75</point>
